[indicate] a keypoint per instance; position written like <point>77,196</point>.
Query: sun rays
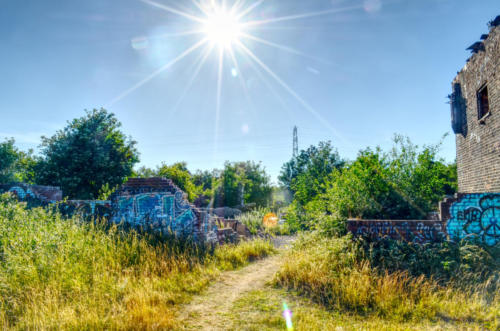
<point>227,29</point>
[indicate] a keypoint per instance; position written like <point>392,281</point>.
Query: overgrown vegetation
<point>405,282</point>
<point>90,153</point>
<point>254,222</point>
<point>67,274</point>
<point>404,183</point>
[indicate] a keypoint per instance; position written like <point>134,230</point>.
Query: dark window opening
<point>483,106</point>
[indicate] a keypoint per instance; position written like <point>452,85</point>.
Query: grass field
<point>57,273</point>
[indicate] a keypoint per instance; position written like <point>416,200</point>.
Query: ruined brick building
<point>476,115</point>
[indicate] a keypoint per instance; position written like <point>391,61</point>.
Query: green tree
<point>8,160</point>
<point>305,174</point>
<point>243,182</point>
<point>16,165</point>
<point>88,154</point>
<point>181,177</point>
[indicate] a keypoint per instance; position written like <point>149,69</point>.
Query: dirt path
<point>210,311</point>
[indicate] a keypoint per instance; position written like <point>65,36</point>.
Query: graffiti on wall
<point>165,211</point>
<point>419,232</point>
<point>34,195</point>
<point>475,216</point>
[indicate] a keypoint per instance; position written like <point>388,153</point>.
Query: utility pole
<point>295,142</point>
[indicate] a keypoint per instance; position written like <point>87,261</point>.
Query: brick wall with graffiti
<point>157,204</point>
<point>33,195</point>
<point>416,231</point>
<point>475,216</point>
<point>466,216</point>
<point>147,203</point>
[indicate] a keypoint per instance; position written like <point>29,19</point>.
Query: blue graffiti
<point>476,215</point>
<point>21,194</point>
<point>156,210</point>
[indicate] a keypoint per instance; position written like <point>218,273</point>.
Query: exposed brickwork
<point>478,146</point>
<point>35,195</point>
<point>417,231</point>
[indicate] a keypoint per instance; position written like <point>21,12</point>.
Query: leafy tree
<point>8,159</point>
<point>207,180</point>
<point>88,154</point>
<point>181,177</point>
<point>306,173</point>
<point>144,172</point>
<point>243,182</point>
<point>16,165</point>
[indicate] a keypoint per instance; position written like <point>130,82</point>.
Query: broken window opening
<point>483,106</point>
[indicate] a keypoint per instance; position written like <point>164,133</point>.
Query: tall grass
<point>64,273</point>
<point>336,273</point>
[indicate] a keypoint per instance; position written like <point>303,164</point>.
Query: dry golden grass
<point>65,274</point>
<point>330,272</point>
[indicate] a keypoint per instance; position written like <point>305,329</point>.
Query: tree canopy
<point>15,165</point>
<point>88,154</point>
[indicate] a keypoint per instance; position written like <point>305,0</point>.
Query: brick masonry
<point>474,216</point>
<point>34,195</point>
<point>416,231</point>
<point>478,142</point>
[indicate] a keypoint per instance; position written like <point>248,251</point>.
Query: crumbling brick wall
<point>157,204</point>
<point>478,140</point>
<point>34,195</point>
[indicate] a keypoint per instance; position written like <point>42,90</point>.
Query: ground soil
<point>212,310</point>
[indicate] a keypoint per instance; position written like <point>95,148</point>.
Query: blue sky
<point>358,73</point>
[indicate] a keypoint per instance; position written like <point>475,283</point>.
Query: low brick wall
<point>474,216</point>
<point>417,231</point>
<point>34,195</point>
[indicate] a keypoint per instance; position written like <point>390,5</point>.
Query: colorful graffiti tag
<point>162,210</point>
<point>33,195</point>
<point>476,216</point>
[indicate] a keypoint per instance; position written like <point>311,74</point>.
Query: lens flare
<point>287,314</point>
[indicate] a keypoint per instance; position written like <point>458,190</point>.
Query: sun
<point>222,28</point>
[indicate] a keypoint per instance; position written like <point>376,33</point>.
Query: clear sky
<point>351,71</point>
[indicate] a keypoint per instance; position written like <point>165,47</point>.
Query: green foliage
<point>253,220</point>
<point>405,183</point>
<point>305,174</point>
<point>243,183</point>
<point>394,282</point>
<point>15,165</point>
<point>8,158</point>
<point>60,273</point>
<point>181,177</point>
<point>462,263</point>
<point>87,154</point>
